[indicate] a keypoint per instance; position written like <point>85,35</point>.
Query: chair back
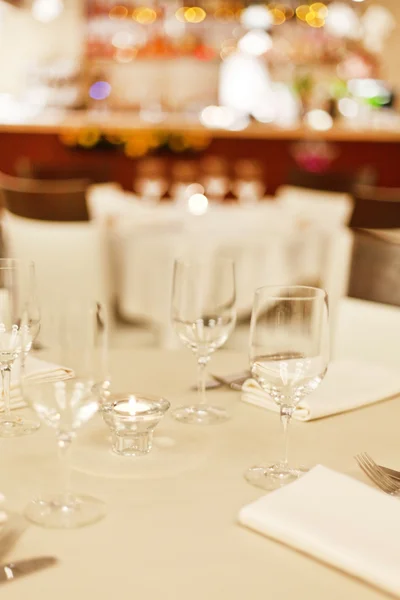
<point>376,208</point>
<point>375,270</point>
<point>328,182</point>
<point>69,257</point>
<point>329,209</point>
<point>62,200</point>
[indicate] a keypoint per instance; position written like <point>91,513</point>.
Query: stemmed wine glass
<point>73,334</point>
<point>17,285</point>
<point>289,355</point>
<point>203,316</point>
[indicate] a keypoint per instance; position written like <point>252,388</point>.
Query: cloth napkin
<point>36,370</point>
<point>349,384</point>
<point>337,520</point>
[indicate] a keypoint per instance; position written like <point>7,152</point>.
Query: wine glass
<point>203,316</point>
<point>17,284</point>
<point>65,406</point>
<point>289,355</point>
<point>74,334</point>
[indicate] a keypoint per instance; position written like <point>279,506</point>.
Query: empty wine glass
<point>65,406</point>
<point>17,284</point>
<point>74,334</point>
<point>289,355</point>
<point>203,316</point>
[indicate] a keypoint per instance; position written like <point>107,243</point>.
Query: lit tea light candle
<point>132,407</point>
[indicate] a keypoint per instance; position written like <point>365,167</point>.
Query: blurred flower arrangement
<point>137,144</point>
<point>314,156</point>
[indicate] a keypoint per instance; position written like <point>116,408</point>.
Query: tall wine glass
<point>289,355</point>
<point>204,316</point>
<point>75,335</point>
<point>17,284</point>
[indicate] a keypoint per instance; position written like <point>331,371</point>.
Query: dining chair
<point>69,257</point>
<point>331,181</point>
<point>31,169</point>
<point>62,200</point>
<point>329,209</point>
<point>375,269</point>
<point>376,208</point>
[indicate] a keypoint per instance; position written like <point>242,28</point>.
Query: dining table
<point>171,530</point>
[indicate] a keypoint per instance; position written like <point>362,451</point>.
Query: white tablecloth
<point>268,244</point>
<point>174,535</point>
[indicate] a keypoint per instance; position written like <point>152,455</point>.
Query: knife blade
<point>14,570</point>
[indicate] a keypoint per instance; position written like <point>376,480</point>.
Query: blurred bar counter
<point>117,140</point>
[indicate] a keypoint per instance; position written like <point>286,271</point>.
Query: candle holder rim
<point>159,403</point>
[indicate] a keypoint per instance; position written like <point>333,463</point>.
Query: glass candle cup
<point>132,419</point>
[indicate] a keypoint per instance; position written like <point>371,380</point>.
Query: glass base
<point>58,513</point>
<point>132,445</point>
<point>274,476</point>
<point>200,414</point>
<point>15,426</point>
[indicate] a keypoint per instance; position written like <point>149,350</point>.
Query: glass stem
<point>22,371</point>
<point>201,378</point>
<point>5,379</point>
<point>286,413</point>
<point>64,441</point>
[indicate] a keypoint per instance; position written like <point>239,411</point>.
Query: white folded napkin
<point>36,370</point>
<point>337,520</point>
<point>349,384</point>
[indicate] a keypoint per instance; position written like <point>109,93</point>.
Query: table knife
<point>14,570</point>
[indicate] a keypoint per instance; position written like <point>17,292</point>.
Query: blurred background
<point>132,132</point>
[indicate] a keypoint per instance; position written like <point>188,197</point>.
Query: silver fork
<point>377,474</point>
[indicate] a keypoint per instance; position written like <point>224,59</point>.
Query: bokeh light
<point>255,42</point>
<point>258,16</point>
<point>195,14</point>
<point>278,16</point>
<point>348,107</point>
<point>118,12</point>
<point>100,90</point>
<point>46,11</point>
<point>198,204</point>
<point>319,120</point>
<point>144,15</point>
<point>123,39</point>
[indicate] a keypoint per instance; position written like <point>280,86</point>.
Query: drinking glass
<point>289,355</point>
<point>17,285</point>
<point>74,334</point>
<point>203,316</point>
<point>65,406</point>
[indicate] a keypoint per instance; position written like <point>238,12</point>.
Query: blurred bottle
<point>150,181</point>
<point>248,185</point>
<point>215,178</point>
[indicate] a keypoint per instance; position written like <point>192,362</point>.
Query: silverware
<point>14,570</point>
<point>392,473</point>
<point>384,481</point>
<point>234,385</point>
<point>226,380</point>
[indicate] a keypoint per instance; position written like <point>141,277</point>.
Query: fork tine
<point>375,475</point>
<point>388,480</point>
<point>371,474</point>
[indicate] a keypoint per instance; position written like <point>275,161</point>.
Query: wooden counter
<point>39,141</point>
<point>116,122</point>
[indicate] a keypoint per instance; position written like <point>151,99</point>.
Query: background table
<point>175,537</point>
